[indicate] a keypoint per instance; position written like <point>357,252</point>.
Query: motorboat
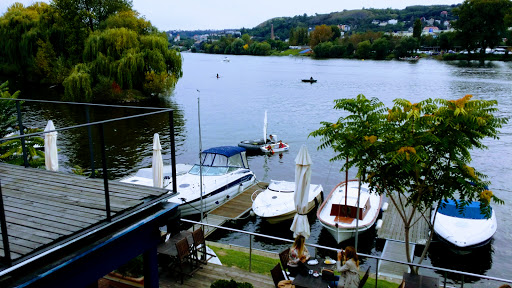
<point>276,203</point>
<point>338,213</point>
<point>463,229</point>
<point>311,80</point>
<point>225,173</point>
<point>275,147</point>
<point>254,146</point>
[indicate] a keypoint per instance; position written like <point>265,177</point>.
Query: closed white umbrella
<point>300,225</point>
<point>158,164</point>
<point>51,158</point>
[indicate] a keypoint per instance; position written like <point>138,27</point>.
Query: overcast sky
<point>220,14</point>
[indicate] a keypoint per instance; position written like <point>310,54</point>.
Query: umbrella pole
<point>200,163</point>
<point>346,189</point>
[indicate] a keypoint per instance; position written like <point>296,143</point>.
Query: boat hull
<point>274,148</point>
<point>252,146</point>
<point>276,203</point>
<point>344,230</point>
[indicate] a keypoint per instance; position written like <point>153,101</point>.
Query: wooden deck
<point>393,227</point>
<point>232,209</point>
<point>44,207</point>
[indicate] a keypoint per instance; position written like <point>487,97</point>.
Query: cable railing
<point>100,124</point>
<point>376,258</point>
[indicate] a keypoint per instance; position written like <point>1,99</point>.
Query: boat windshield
<point>217,164</point>
<point>472,211</point>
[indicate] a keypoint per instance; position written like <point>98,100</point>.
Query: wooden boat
<point>464,231</point>
<point>309,80</point>
<point>275,148</point>
<point>340,218</point>
<point>276,203</point>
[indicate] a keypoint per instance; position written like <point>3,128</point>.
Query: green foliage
<point>11,151</point>
<point>133,268</point>
<point>230,284</point>
<point>417,28</point>
<point>381,48</point>
<point>8,116</point>
<point>364,50</point>
<point>415,154</point>
<point>322,33</point>
<point>77,86</point>
<point>481,23</point>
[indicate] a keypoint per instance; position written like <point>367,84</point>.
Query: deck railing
<point>100,124</point>
<point>376,258</point>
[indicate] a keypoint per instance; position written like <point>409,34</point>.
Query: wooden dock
<point>233,209</point>
<point>393,232</point>
<point>43,207</point>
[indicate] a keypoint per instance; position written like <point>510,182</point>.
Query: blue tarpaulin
<point>471,211</point>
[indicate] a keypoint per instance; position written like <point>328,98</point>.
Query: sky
<point>234,14</point>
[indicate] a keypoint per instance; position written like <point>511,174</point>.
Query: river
<point>232,109</point>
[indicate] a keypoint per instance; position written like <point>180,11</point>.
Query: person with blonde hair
<point>298,252</point>
<point>349,272</point>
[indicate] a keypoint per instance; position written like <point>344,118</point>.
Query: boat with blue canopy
<point>464,227</point>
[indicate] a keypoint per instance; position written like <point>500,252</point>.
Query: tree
<point>364,50</point>
<point>481,23</point>
<point>322,33</point>
<point>336,32</point>
<point>8,117</point>
<point>416,30</point>
<point>381,48</point>
<point>416,154</point>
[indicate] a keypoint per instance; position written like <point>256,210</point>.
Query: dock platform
<point>233,209</point>
<point>393,232</point>
<point>44,208</point>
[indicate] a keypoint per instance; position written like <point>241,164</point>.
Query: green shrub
<point>230,284</point>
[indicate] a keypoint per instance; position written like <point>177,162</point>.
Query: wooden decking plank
<point>36,212</point>
<point>31,215</point>
<point>21,242</point>
<point>23,235</point>
<point>78,181</point>
<point>11,216</point>
<point>36,232</point>
<point>37,225</point>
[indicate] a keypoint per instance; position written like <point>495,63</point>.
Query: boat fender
<point>227,196</point>
<point>336,225</point>
<point>217,202</point>
<point>252,213</point>
<point>379,224</point>
<point>385,206</point>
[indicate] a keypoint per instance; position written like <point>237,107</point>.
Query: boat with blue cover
<point>464,228</point>
<point>225,172</point>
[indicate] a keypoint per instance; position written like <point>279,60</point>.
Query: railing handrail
<point>82,103</point>
<point>359,254</point>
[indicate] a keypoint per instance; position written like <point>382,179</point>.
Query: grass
<point>262,264</point>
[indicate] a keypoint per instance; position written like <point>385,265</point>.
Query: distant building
<point>444,13</point>
<point>344,27</point>
<point>392,21</point>
<point>375,22</point>
<point>382,24</point>
<point>430,21</point>
<point>447,24</point>
<point>177,38</point>
<point>430,30</point>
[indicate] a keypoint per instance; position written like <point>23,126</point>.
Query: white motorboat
<point>225,172</point>
<point>275,148</point>
<point>276,203</point>
<point>338,213</point>
<point>464,231</point>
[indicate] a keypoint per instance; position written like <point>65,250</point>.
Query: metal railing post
<point>20,123</point>
<point>173,152</point>
<point>445,275</point>
<point>105,173</point>
<point>377,273</point>
<point>250,253</point>
<point>462,284</point>
<point>89,134</point>
<point>3,224</point>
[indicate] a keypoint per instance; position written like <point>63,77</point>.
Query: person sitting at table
<point>349,277</point>
<point>298,252</point>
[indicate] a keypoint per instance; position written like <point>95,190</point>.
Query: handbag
<point>327,274</point>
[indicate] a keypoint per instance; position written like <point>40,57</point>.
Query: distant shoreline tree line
<point>473,32</point>
<point>100,51</point>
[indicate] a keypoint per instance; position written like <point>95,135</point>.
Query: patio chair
<point>365,277</point>
<point>284,256</point>
<point>200,247</point>
<point>277,274</point>
<point>184,260</point>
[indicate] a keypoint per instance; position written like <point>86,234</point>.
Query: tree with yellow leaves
<point>417,154</point>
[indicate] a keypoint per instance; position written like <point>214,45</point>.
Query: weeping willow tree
<point>129,54</point>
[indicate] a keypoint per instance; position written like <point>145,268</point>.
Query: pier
<point>393,232</point>
<point>235,208</point>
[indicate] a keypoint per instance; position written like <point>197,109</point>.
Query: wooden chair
<point>284,256</point>
<point>200,247</point>
<point>184,260</point>
<point>277,274</point>
<point>365,277</point>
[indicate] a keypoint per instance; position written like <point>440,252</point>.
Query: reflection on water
<point>479,261</point>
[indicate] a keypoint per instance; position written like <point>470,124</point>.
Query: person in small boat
<point>281,145</point>
<point>217,75</point>
<point>311,79</point>
<point>298,252</point>
<point>349,272</point>
<point>271,139</point>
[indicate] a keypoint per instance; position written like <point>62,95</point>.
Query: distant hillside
<point>358,20</point>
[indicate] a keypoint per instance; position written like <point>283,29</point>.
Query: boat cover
<point>227,151</point>
<point>471,211</point>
